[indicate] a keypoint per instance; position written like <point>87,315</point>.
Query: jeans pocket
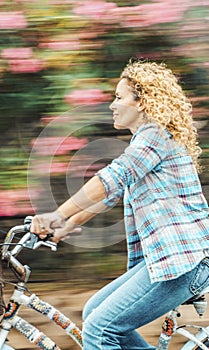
<point>201,278</point>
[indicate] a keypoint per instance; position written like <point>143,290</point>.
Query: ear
<point>140,107</point>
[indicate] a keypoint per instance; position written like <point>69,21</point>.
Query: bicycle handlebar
<point>29,240</point>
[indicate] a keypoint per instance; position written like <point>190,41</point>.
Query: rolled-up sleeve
<point>148,147</point>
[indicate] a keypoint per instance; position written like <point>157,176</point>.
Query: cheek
<point>128,110</point>
<point>123,108</point>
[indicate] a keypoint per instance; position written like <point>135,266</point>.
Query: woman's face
<point>126,110</point>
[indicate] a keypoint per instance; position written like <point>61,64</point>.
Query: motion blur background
<point>59,64</point>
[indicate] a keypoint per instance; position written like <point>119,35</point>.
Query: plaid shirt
<point>166,214</point>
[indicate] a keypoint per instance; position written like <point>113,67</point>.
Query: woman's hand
<point>64,233</point>
<point>46,223</point>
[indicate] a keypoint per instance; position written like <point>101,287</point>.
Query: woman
<point>165,212</point>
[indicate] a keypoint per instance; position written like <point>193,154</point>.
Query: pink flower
<point>58,145</point>
<point>88,97</point>
<point>57,119</point>
<point>48,119</point>
<point>84,170</point>
<point>97,10</point>
<point>205,64</point>
<point>61,2</point>
<point>31,65</point>
<point>131,16</point>
<point>15,202</point>
<point>51,168</point>
<point>22,1</point>
<point>161,11</point>
<point>90,34</point>
<point>193,29</point>
<point>12,20</point>
<point>17,53</point>
<point>73,168</point>
<point>164,11</point>
<point>21,60</point>
<point>61,45</point>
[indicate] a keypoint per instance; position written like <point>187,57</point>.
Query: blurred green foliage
<point>51,49</point>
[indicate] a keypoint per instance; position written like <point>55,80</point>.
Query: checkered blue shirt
<point>166,214</point>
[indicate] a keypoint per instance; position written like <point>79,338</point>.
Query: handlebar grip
<point>27,223</point>
<point>27,226</point>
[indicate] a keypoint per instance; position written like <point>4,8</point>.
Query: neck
<point>141,120</point>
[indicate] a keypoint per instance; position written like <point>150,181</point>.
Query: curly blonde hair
<point>165,102</point>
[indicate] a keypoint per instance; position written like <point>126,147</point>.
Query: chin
<point>117,126</point>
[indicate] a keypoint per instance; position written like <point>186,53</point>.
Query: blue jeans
<point>113,314</point>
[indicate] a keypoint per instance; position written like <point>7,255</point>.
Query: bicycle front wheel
<point>201,336</point>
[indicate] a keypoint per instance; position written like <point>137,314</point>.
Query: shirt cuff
<point>107,178</point>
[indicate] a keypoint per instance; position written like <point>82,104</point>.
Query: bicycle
<point>21,296</point>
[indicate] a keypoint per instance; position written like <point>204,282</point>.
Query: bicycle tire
<point>202,336</point>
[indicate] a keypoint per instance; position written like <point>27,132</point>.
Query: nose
<point>112,106</point>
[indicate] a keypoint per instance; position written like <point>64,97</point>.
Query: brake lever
<point>35,242</point>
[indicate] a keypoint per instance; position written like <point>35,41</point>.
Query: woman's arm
<point>90,194</point>
<point>71,225</point>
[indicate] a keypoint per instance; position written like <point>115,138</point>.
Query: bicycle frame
<point>171,327</point>
<point>11,319</point>
<point>22,297</point>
